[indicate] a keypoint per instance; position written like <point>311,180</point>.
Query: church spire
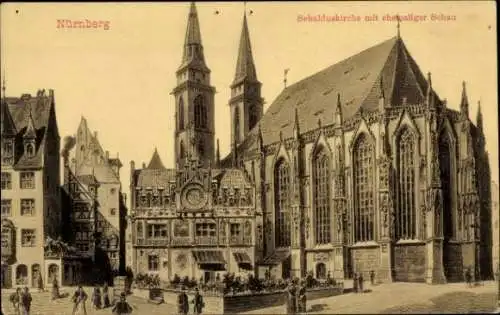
<point>193,48</point>
<point>30,132</point>
<point>464,103</point>
<point>479,117</point>
<point>245,67</point>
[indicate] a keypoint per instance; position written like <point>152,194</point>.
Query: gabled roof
<point>29,115</point>
<point>386,68</point>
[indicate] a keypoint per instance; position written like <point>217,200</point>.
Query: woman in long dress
<point>55,289</point>
<point>105,295</point>
<point>96,298</point>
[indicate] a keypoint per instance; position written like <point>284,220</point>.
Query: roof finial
<point>285,73</point>
<point>398,27</point>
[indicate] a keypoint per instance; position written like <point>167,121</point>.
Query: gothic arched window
<point>181,114</point>
<point>282,204</point>
<point>200,112</point>
<point>252,115</point>
<point>237,124</point>
<point>182,150</point>
<point>364,214</point>
<point>445,160</point>
<point>406,210</point>
<point>322,197</point>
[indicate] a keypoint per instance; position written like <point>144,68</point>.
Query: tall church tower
<point>246,102</point>
<point>194,100</point>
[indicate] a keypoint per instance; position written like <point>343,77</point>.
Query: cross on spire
<point>398,26</point>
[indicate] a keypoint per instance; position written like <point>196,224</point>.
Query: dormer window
<point>30,149</point>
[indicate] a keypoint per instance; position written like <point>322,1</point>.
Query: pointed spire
<point>193,49</point>
<point>479,117</point>
<point>464,103</point>
<point>319,123</point>
<point>245,67</point>
<point>398,26</point>
<point>296,123</point>
<point>381,87</point>
<point>429,94</point>
<point>30,128</point>
<point>217,154</point>
<point>155,163</point>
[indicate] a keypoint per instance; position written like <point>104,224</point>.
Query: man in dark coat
<point>302,299</point>
<point>122,307</point>
<point>355,282</point>
<point>198,302</point>
<point>360,279</point>
<point>26,301</point>
<point>15,299</point>
<point>291,305</point>
<point>79,299</point>
<point>182,302</point>
<point>372,277</point>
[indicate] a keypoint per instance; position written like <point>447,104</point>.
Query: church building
<point>360,167</point>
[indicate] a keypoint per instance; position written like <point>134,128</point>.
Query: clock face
<point>194,197</point>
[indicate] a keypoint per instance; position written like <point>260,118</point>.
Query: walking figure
<point>355,282</point>
<point>105,295</point>
<point>122,307</point>
<point>302,299</point>
<point>182,302</point>
<point>292,299</point>
<point>79,299</point>
<point>15,299</point>
<point>26,301</point>
<point>372,277</point>
<point>40,283</point>
<point>468,277</point>
<point>96,298</point>
<point>198,302</point>
<point>55,289</point>
<point>360,279</point>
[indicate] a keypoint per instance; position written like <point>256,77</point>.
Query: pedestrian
<point>40,283</point>
<point>291,305</point>
<point>26,301</point>
<point>79,299</point>
<point>15,299</point>
<point>182,302</point>
<point>468,277</point>
<point>198,302</point>
<point>355,282</point>
<point>122,307</point>
<point>105,295</point>
<point>360,279</point>
<point>55,289</point>
<point>372,277</point>
<point>302,301</point>
<point>96,298</point>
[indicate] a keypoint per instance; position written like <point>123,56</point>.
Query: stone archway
<point>53,272</point>
<point>35,273</point>
<point>320,271</point>
<point>21,275</point>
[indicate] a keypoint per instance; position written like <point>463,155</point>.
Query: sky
<point>120,78</point>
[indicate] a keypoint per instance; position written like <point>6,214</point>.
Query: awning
<point>209,259</point>
<point>243,260</point>
<point>276,258</point>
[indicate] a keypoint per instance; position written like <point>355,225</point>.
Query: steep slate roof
<point>20,122</point>
<point>156,162</point>
<point>360,80</point>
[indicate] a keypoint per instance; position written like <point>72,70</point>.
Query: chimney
<point>95,134</point>
<point>66,168</point>
<point>143,165</point>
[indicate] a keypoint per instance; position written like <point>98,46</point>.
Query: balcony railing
<point>206,240</point>
<point>238,240</point>
<point>152,242</point>
<point>181,241</point>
